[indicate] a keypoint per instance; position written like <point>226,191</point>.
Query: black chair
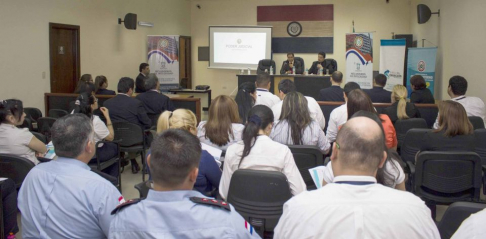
<point>131,138</point>
<point>265,64</point>
<point>143,188</point>
<point>44,125</point>
<point>100,166</point>
<point>411,144</point>
<point>480,135</point>
<point>307,157</point>
<point>259,197</point>
<point>154,118</point>
<point>40,137</point>
<point>477,122</point>
<point>331,63</point>
<point>57,113</point>
<point>299,59</point>
<point>32,113</point>
<point>27,124</point>
<point>402,127</point>
<point>455,214</point>
<point>15,167</point>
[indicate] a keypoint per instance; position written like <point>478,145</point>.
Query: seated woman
<point>420,93</point>
<point>101,83</point>
<point>359,100</point>
<point>400,108</point>
<point>86,104</point>
<point>296,127</point>
<point>83,81</point>
<point>257,151</point>
<point>17,141</point>
<point>455,132</point>
<point>209,173</point>
<point>223,127</point>
<point>245,99</point>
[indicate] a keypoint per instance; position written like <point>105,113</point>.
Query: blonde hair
<point>399,94</point>
<point>178,119</point>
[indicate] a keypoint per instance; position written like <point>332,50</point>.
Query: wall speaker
<point>130,21</point>
<point>424,13</point>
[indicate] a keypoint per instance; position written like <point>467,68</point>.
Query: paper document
<point>50,151</point>
<point>215,152</point>
<point>317,175</point>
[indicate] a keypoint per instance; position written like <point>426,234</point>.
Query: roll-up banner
<point>392,60</point>
<point>163,58</point>
<point>359,59</point>
<point>421,61</point>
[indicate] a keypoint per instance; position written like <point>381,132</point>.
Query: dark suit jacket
<point>155,103</point>
<point>379,95</point>
<point>105,92</point>
<point>140,83</point>
<point>325,64</point>
<point>286,67</point>
<point>422,96</point>
<point>410,109</point>
<point>332,93</point>
<point>127,109</point>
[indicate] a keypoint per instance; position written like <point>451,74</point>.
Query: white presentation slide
<point>239,47</point>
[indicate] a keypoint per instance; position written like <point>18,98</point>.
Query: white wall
<point>372,15</point>
<point>106,47</point>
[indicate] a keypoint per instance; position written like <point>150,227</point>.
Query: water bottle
<point>249,71</point>
<point>327,72</point>
<point>266,71</point>
<point>306,72</point>
<point>271,70</point>
<point>293,70</point>
<point>320,72</point>
<point>242,72</point>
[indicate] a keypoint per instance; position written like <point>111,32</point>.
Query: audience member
<point>8,192</point>
<point>17,141</point>
<point>155,103</point>
<point>63,198</point>
<point>209,173</point>
<point>296,127</point>
<point>83,81</point>
<point>257,151</point>
<point>223,127</point>
<point>400,108</point>
<point>86,104</point>
<point>101,83</point>
<point>359,100</point>
<point>355,206</point>
<point>264,97</point>
<point>457,91</point>
<point>321,63</point>
<point>334,92</point>
<point>289,64</point>
<point>420,93</point>
<point>124,108</point>
<point>245,99</point>
<point>172,209</point>
<point>339,116</point>
<point>377,94</point>
<point>455,132</point>
<point>473,227</point>
<point>286,86</point>
<point>144,70</point>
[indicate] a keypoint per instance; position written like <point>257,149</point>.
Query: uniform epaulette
<point>126,204</point>
<point>212,202</point>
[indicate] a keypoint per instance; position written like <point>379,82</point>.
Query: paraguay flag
<point>299,28</point>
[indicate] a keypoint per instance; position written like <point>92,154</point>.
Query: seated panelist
<point>321,63</point>
<point>288,65</point>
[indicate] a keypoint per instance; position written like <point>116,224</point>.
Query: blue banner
<point>421,61</point>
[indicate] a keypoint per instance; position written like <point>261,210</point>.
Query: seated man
<point>474,106</point>
<point>288,65</point>
<point>339,115</point>
<point>420,93</point>
<point>334,92</point>
<point>264,97</point>
<point>378,94</point>
<point>284,87</point>
<point>155,103</point>
<point>321,63</point>
<point>64,198</point>
<point>354,205</point>
<point>144,70</point>
<point>172,208</point>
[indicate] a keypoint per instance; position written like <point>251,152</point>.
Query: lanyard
<point>355,182</point>
<point>262,90</point>
<point>460,98</point>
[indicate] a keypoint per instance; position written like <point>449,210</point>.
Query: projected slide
<point>245,48</point>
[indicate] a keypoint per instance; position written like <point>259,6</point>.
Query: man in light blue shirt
<point>172,209</point>
<point>63,198</point>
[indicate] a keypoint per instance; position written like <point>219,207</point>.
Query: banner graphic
<point>421,61</point>
<point>163,58</point>
<point>392,60</point>
<point>359,59</point>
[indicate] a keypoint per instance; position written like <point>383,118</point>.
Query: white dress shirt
<point>312,135</point>
<point>264,97</point>
<point>344,210</point>
<point>338,117</point>
<point>265,154</point>
<point>314,110</point>
<point>473,227</point>
<point>474,106</point>
<point>237,131</point>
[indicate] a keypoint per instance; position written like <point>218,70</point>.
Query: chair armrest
<point>411,166</point>
<point>108,177</point>
<point>43,160</point>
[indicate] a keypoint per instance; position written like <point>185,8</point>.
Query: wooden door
<point>185,62</point>
<point>64,54</point>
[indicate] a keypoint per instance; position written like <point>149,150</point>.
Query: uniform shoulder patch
<point>212,202</point>
<point>125,204</point>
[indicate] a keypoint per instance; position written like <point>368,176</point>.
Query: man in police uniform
<point>172,209</point>
<point>63,198</point>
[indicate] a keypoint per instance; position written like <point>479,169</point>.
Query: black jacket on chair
<point>140,83</point>
<point>155,103</point>
<point>124,108</point>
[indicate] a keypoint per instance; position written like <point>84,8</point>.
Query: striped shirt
<point>312,135</point>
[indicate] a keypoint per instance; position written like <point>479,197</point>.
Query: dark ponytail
<point>260,117</point>
<point>83,104</point>
<point>11,107</point>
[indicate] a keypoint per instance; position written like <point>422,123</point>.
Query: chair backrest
<point>33,113</point>
<point>299,59</point>
<point>306,157</point>
<point>143,188</point>
<point>412,143</point>
<point>480,135</point>
<point>44,125</point>
<point>15,167</point>
<point>332,62</point>
<point>154,118</point>
<point>128,134</point>
<point>57,113</point>
<point>265,65</point>
<point>402,127</point>
<point>259,197</point>
<point>455,214</point>
<point>27,124</point>
<point>447,177</point>
<point>40,137</point>
<point>477,122</point>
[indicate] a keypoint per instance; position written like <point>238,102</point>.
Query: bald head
<point>361,146</point>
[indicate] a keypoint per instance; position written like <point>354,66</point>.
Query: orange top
<point>390,133</point>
